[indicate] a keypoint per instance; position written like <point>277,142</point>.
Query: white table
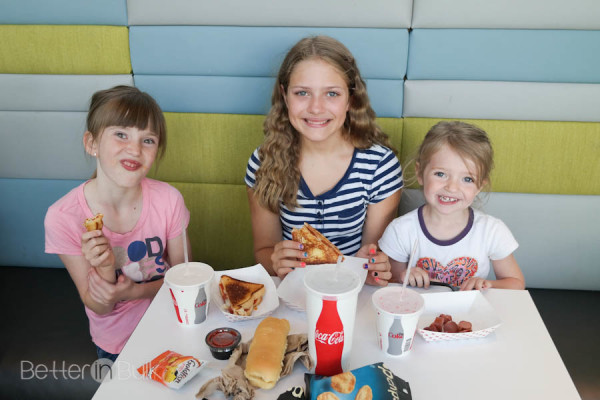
<point>517,361</point>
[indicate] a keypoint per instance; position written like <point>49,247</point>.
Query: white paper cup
<point>189,286</point>
<point>330,312</point>
<point>397,318</point>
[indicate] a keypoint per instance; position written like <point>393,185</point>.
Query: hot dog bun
<point>265,356</point>
<point>93,224</point>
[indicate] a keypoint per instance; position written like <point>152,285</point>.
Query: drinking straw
<point>185,252</point>
<point>408,266</point>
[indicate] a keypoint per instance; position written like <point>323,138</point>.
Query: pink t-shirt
<point>140,253</point>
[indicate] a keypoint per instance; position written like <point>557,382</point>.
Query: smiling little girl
<point>455,243</point>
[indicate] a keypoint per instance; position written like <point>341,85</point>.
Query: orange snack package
<point>172,369</point>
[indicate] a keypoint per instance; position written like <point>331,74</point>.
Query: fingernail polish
<point>372,251</point>
<point>366,266</point>
<point>375,273</point>
<point>376,279</point>
<point>293,267</point>
<point>372,261</point>
<point>301,247</point>
<point>305,254</point>
<point>303,264</point>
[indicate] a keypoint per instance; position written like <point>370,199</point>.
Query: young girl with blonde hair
<point>323,161</point>
<point>454,243</point>
<point>119,268</point>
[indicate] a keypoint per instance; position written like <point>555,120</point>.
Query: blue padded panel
<point>338,13</point>
<point>558,235</point>
<point>245,95</point>
<point>24,206</point>
<point>24,92</point>
<point>537,101</point>
<point>505,55</point>
<point>63,12</point>
<point>256,51</point>
<point>514,14</point>
<point>45,145</point>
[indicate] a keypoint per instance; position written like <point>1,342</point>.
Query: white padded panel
<point>24,92</point>
<point>512,14</point>
<point>43,145</point>
<point>502,100</point>
<point>330,13</point>
<point>558,235</point>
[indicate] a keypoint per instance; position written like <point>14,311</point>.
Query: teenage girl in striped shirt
<point>323,161</point>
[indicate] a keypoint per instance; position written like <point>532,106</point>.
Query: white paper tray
<point>462,306</point>
<point>255,274</point>
<point>291,289</point>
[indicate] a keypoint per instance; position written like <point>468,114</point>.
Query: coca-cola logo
<point>332,338</point>
<point>198,305</point>
<point>395,335</point>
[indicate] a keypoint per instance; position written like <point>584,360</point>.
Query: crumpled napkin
<point>232,381</point>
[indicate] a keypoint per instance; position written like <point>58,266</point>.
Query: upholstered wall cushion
<point>515,14</point>
<point>256,51</point>
<point>53,92</point>
<point>24,206</point>
<point>246,95</point>
<point>64,49</point>
<point>502,100</point>
<point>558,235</point>
<point>64,12</point>
<point>215,148</point>
<point>220,227</point>
<point>531,156</point>
<point>47,145</point>
<point>505,55</point>
<point>338,13</point>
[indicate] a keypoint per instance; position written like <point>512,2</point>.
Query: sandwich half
<point>320,250</point>
<point>240,297</point>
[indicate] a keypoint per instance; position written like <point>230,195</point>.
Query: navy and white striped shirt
<point>339,214</point>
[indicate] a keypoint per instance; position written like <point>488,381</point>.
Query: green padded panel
<point>220,228</point>
<point>64,49</point>
<point>216,147</point>
<point>531,156</point>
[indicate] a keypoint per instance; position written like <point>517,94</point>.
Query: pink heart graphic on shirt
<point>455,273</point>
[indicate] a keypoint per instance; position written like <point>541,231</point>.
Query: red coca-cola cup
<point>330,310</point>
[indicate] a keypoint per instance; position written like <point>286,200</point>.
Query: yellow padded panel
<point>220,228</point>
<point>214,148</point>
<point>64,49</point>
<point>531,156</point>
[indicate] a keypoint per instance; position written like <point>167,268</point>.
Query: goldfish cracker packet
<point>374,381</point>
<point>172,369</point>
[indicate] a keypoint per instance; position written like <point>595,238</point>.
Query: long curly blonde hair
<point>278,176</point>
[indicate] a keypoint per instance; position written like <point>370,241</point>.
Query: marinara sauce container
<point>331,297</point>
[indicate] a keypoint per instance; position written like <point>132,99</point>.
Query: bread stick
<point>265,356</point>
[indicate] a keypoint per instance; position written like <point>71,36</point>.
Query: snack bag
<point>373,381</point>
<point>172,369</point>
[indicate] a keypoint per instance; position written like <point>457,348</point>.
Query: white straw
<point>408,266</point>
<point>337,266</point>
<point>185,252</point>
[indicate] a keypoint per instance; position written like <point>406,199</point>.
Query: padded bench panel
<point>220,228</point>
<point>54,92</point>
<point>502,100</point>
<point>531,156</point>
<point>222,94</point>
<point>514,14</point>
<point>64,12</point>
<point>39,145</point>
<point>243,51</point>
<point>558,235</point>
<point>24,206</point>
<point>215,148</point>
<point>338,13</point>
<point>64,49</point>
<point>505,55</point>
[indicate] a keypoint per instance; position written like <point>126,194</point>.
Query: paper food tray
<point>255,274</point>
<point>462,306</point>
<point>291,289</point>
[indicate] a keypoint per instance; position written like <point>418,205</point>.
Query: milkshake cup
<point>331,297</point>
<point>189,287</point>
<point>397,317</point>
